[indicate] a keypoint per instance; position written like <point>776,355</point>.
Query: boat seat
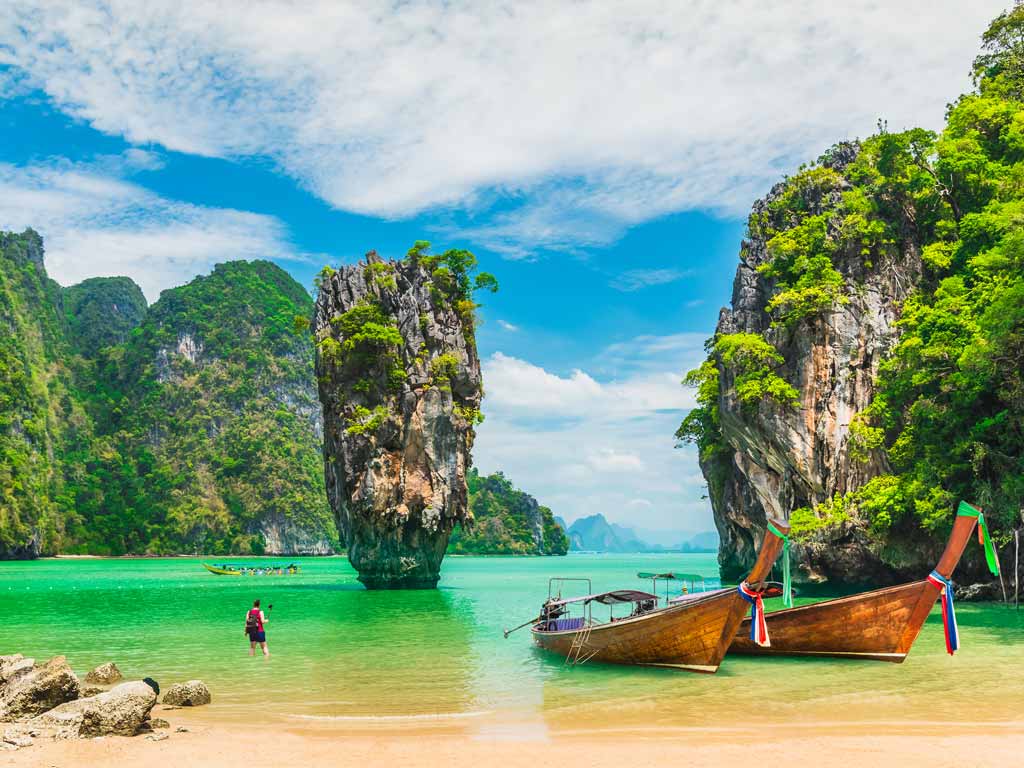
<point>565,625</point>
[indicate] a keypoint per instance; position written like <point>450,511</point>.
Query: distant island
<point>507,521</point>
<point>595,534</point>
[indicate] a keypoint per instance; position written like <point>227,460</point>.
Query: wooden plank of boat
<point>221,571</point>
<point>692,634</point>
<point>880,625</point>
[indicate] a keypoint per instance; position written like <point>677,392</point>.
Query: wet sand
<point>212,742</point>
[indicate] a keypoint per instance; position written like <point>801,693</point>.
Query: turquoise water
<point>341,652</point>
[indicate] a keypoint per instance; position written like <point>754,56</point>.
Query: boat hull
<point>880,625</point>
<point>692,636</point>
<point>220,571</point>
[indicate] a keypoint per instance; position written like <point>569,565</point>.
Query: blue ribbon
<point>948,614</point>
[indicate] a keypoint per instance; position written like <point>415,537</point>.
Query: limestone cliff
<point>870,372</point>
<point>400,387</point>
<point>782,458</point>
<point>33,399</point>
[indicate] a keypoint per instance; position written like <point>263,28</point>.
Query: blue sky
<point>599,163</point>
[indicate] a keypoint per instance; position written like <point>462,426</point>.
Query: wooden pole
<point>1002,583</point>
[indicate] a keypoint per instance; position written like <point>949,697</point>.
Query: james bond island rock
<point>870,372</point>
<point>400,387</point>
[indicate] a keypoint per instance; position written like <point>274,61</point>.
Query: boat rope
<point>787,583</point>
<point>758,624</point>
<point>948,614</point>
<point>984,537</point>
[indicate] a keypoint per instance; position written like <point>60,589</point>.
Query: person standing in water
<point>254,621</point>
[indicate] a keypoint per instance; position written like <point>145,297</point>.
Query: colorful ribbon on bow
<point>787,583</point>
<point>758,625</point>
<point>948,614</point>
<point>984,537</point>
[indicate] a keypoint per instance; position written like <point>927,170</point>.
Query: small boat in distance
<point>690,632</point>
<point>250,570</point>
<point>880,625</point>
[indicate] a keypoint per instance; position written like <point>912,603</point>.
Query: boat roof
<point>671,576</point>
<point>610,598</point>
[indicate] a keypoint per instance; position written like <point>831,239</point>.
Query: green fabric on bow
<point>787,581</point>
<point>984,536</point>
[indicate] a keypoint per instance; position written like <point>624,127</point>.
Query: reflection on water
<point>342,654</point>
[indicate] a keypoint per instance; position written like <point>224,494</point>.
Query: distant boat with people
<point>231,569</point>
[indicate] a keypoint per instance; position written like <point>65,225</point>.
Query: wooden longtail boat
<point>880,625</point>
<point>690,632</point>
<point>249,570</point>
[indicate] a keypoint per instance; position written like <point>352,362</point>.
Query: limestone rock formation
<point>27,689</point>
<point>781,458</point>
<point>193,693</point>
<point>104,674</point>
<point>122,710</point>
<point>400,387</point>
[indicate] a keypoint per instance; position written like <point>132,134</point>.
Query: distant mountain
<point>595,534</point>
<point>706,541</point>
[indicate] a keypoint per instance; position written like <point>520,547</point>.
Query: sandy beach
<point>210,742</point>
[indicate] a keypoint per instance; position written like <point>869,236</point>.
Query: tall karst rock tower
<point>400,385</point>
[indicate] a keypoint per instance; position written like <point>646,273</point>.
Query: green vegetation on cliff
<point>193,426</point>
<point>37,412</point>
<point>507,521</point>
<point>103,311</point>
<point>949,400</point>
<point>207,425</point>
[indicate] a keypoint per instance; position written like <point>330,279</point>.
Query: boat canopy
<point>609,598</point>
<point>671,576</point>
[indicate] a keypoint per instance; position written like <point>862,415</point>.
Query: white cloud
<point>96,223</point>
<point>635,279</point>
<point>506,325</point>
<point>590,116</point>
<point>585,443</point>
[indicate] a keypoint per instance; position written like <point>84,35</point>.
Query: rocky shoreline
<point>48,701</point>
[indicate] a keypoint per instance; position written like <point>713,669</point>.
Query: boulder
<point>159,722</point>
<point>91,690</point>
<point>27,689</point>
<point>122,710</point>
<point>190,694</point>
<point>17,736</point>
<point>104,674</point>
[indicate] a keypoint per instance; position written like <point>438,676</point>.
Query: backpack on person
<point>252,621</point>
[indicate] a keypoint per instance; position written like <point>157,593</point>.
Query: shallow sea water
<point>343,654</point>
